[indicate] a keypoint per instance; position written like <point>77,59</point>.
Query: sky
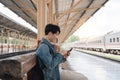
<point>105,20</point>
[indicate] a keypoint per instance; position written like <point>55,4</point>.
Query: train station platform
<point>79,66</point>
<point>23,64</point>
<point>68,73</point>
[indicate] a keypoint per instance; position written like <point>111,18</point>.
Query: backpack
<point>36,72</point>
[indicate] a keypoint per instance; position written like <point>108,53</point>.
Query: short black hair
<point>52,28</point>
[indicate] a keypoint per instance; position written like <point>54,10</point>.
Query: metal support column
<point>8,41</point>
<point>2,41</point>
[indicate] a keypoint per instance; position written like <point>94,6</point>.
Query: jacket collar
<point>44,40</point>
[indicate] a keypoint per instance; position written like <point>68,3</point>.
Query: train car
<point>112,42</point>
<point>82,43</point>
<point>96,44</point>
<point>109,43</point>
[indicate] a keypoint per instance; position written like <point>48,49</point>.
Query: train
<point>109,43</point>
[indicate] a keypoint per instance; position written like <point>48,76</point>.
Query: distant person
<point>48,54</point>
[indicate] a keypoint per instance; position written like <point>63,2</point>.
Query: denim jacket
<point>48,57</point>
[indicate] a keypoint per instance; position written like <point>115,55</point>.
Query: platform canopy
<point>8,26</point>
<point>68,14</point>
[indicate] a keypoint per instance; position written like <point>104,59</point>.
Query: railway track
<point>2,56</point>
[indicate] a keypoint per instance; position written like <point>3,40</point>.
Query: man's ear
<point>58,32</point>
<point>50,33</point>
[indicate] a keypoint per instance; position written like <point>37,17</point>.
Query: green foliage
<point>0,39</point>
<point>72,38</point>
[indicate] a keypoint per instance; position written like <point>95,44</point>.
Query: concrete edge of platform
<point>103,55</point>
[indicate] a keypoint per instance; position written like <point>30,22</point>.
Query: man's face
<point>54,37</point>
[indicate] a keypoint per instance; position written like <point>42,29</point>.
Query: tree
<point>72,38</point>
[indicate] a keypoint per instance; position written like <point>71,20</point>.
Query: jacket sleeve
<point>43,53</point>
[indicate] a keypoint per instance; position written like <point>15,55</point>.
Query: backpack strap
<point>50,48</point>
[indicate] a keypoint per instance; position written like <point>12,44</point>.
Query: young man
<point>48,54</point>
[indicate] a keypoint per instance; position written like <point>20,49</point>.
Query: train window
<point>113,39</point>
<point>117,39</point>
<point>110,40</point>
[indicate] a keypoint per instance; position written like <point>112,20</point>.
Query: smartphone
<point>68,52</point>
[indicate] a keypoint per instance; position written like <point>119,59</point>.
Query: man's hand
<point>64,53</point>
<point>57,48</point>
